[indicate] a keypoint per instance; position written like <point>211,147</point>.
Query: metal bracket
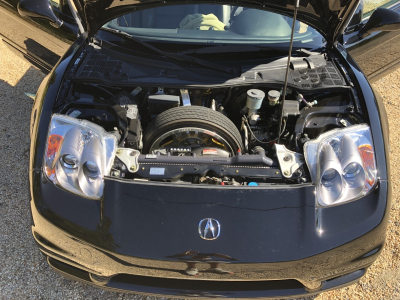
<point>185,97</point>
<point>130,158</point>
<point>289,161</point>
<point>160,91</point>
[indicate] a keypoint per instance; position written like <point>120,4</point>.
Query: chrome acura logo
<point>209,229</point>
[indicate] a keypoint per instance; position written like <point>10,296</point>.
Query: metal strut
<point>287,69</point>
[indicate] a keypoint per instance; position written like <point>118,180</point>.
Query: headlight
<point>342,164</point>
<point>78,155</point>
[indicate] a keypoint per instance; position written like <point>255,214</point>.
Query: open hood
<point>327,16</point>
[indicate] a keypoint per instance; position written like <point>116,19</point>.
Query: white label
<point>210,151</point>
<point>151,156</point>
<point>132,111</point>
<point>157,171</point>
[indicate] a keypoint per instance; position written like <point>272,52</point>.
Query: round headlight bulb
<point>91,170</point>
<point>69,161</point>
<point>328,178</point>
<point>354,175</point>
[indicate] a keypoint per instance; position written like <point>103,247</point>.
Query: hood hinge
<point>95,41</point>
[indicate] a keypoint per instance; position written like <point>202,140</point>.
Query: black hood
<point>327,16</point>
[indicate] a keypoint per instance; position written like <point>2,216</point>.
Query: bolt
<point>277,172</point>
<point>286,173</point>
<point>181,169</point>
<point>196,168</point>
<point>286,158</point>
<point>237,171</point>
<point>133,168</point>
<point>222,169</point>
<point>118,151</point>
<point>143,168</point>
<point>132,153</point>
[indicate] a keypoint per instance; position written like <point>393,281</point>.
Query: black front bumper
<point>274,241</point>
<point>205,289</point>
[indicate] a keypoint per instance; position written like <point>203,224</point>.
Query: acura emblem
<point>209,229</point>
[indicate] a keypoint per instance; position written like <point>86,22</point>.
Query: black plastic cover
<point>290,108</point>
<point>159,103</point>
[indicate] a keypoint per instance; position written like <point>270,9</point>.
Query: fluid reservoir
<point>254,100</point>
<point>273,97</point>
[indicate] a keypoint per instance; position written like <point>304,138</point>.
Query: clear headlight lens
<point>342,164</point>
<point>78,155</point>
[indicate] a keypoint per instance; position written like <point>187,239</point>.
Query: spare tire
<point>182,126</point>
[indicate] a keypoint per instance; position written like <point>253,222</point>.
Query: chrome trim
<point>209,227</point>
<point>185,97</point>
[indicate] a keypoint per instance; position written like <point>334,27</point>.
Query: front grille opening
<point>119,281</point>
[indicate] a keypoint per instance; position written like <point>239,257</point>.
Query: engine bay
<point>201,135</point>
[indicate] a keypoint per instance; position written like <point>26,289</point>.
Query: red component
<point>222,183</point>
<point>210,151</point>
<point>367,155</point>
<point>53,146</point>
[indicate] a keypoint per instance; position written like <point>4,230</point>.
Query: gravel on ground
<point>24,274</point>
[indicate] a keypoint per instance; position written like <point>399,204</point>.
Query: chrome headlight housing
<point>342,164</point>
<point>78,155</point>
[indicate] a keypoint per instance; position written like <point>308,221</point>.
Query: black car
<point>203,149</point>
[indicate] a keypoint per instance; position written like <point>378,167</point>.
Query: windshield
<point>215,24</point>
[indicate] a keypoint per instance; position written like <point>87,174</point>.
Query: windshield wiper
<point>243,48</point>
<point>231,49</point>
<point>175,56</point>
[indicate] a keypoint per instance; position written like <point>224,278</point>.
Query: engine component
<point>104,118</point>
<point>161,102</point>
<point>150,170</point>
<point>129,157</point>
<point>245,136</point>
<point>210,152</point>
<point>290,108</point>
<point>289,161</point>
<point>192,126</point>
<point>273,97</point>
<point>124,98</point>
<point>254,101</point>
<point>213,105</point>
<point>134,139</point>
<point>210,180</point>
<point>300,98</point>
<point>99,106</point>
<point>254,159</point>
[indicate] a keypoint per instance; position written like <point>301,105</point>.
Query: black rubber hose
<point>228,97</point>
